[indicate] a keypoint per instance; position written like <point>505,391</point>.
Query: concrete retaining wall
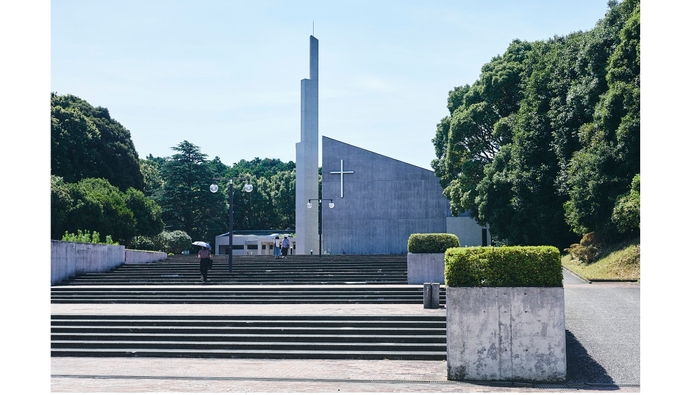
<point>506,334</point>
<point>69,259</point>
<point>426,268</point>
<point>138,256</point>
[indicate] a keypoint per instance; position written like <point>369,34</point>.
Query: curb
<point>587,281</point>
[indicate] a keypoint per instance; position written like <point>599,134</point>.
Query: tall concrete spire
<point>307,159</point>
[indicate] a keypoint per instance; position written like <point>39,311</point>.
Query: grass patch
<point>619,262</point>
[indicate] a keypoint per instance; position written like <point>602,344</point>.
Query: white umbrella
<point>272,236</point>
<point>202,244</point>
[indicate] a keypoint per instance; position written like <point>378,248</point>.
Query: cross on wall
<point>342,173</point>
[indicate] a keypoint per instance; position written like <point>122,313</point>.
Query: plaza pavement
<point>603,353</point>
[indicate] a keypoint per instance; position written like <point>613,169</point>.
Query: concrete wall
<point>385,201</point>
<point>69,259</point>
<point>506,334</point>
<point>137,256</point>
<point>468,231</point>
<point>426,268</point>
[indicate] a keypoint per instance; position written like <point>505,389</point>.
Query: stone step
<point>212,280</point>
<point>249,320</point>
<point>220,294</point>
<point>245,337</point>
<point>205,346</point>
<point>302,269</point>
<point>263,354</point>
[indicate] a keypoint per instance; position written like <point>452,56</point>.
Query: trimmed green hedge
<point>431,243</point>
<point>503,267</point>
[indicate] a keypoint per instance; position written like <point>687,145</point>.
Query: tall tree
<point>532,167</point>
<point>601,172</point>
<point>147,213</point>
<point>186,201</point>
<point>546,139</point>
<point>74,144</point>
<point>153,182</point>
<point>283,194</point>
<point>479,124</point>
<point>253,210</point>
<point>87,142</point>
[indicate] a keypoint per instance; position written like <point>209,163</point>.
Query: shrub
<point>627,208</point>
<point>587,250</point>
<point>590,239</point>
<point>144,243</point>
<point>174,242</point>
<point>87,237</point>
<point>503,267</point>
<point>434,243</point>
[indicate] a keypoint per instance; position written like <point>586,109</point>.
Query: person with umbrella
<point>205,262</point>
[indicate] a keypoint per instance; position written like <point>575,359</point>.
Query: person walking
<point>276,250</point>
<point>285,247</point>
<point>205,262</point>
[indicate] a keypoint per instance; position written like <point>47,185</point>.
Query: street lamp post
<point>214,188</point>
<point>320,218</point>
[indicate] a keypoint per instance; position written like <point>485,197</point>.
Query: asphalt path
<point>602,332</point>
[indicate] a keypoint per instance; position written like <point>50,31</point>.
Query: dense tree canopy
<point>180,184</point>
<point>544,143</point>
<point>96,205</point>
<point>87,143</point>
<point>99,184</point>
<point>609,159</point>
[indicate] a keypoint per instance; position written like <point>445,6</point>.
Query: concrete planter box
<point>508,334</point>
<point>426,268</point>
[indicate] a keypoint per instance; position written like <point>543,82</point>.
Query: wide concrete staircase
<point>302,269</point>
<point>254,280</point>
<point>322,337</point>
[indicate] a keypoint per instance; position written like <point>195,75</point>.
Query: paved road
<point>603,352</point>
<point>603,331</point>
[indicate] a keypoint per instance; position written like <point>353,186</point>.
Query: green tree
<point>153,182</point>
<point>74,145</point>
<point>626,214</point>
<point>187,203</point>
<point>271,204</point>
<point>87,143</point>
<point>61,207</point>
<point>101,207</point>
<point>147,214</point>
<point>283,195</point>
<point>546,139</point>
<point>253,210</point>
<point>260,167</point>
<point>609,159</point>
<point>479,124</point>
<point>532,167</point>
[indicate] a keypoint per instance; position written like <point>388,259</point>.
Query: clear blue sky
<point>225,75</point>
